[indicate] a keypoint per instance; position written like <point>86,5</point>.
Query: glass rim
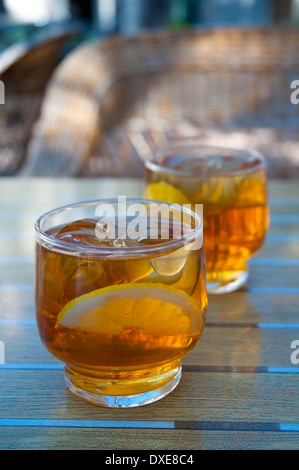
<point>148,251</point>
<point>151,165</point>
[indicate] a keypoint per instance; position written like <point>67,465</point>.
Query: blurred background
<point>42,43</point>
<point>19,18</point>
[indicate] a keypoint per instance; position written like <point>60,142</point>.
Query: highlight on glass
<point>120,310</point>
<point>232,187</point>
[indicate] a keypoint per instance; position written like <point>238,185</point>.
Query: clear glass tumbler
<point>120,296</point>
<point>232,187</point>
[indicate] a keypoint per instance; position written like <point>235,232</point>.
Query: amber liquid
<point>235,213</point>
<point>126,350</point>
<point>231,237</point>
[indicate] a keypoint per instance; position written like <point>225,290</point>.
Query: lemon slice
<point>165,192</point>
<point>171,264</point>
<point>127,271</point>
<point>189,275</point>
<point>154,309</point>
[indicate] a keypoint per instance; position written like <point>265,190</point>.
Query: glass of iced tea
<point>231,185</point>
<point>120,296</point>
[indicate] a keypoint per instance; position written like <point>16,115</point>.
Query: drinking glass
<point>232,187</point>
<point>120,298</point>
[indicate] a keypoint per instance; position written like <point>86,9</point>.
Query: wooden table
<point>239,387</point>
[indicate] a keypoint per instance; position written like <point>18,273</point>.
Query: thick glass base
<point>119,393</point>
<point>225,282</point>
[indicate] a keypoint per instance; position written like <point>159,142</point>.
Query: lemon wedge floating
<point>127,271</point>
<point>165,192</point>
<point>155,309</point>
<point>189,275</point>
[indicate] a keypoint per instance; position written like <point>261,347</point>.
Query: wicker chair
<point>25,69</point>
<point>112,101</point>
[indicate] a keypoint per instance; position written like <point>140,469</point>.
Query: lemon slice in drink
<point>154,310</point>
<point>189,275</point>
<point>165,192</point>
<point>128,271</point>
